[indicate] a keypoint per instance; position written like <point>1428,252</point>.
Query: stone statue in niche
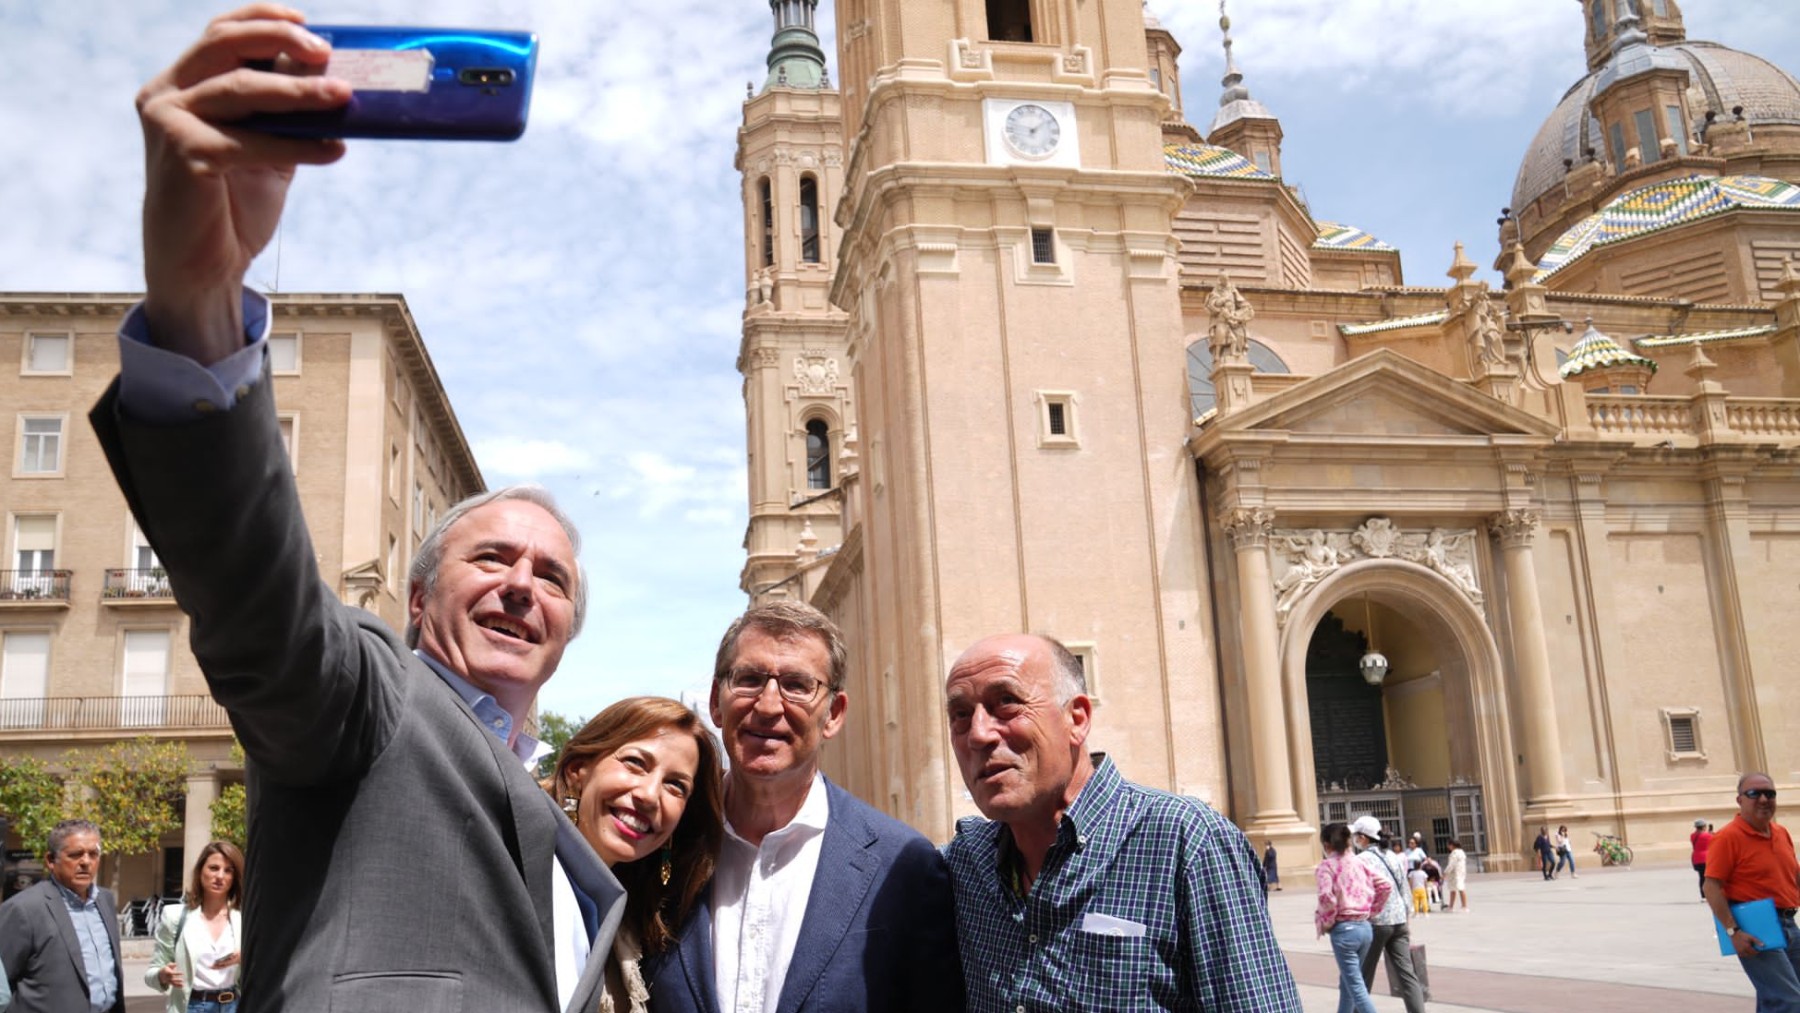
<point>1229,335</point>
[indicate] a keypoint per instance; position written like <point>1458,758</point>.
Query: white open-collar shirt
<point>759,896</point>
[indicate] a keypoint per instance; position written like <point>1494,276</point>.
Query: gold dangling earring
<point>668,863</point>
<point>571,805</point>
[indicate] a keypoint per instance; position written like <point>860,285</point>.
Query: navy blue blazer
<point>879,933</point>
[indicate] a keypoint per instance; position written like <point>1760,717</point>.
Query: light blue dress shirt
<point>97,957</point>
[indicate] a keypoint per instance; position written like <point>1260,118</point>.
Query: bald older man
<point>1081,890</point>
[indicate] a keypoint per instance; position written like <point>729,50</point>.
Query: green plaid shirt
<point>1126,858</point>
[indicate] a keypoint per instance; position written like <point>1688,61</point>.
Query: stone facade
<point>1565,511</point>
<point>378,456</point>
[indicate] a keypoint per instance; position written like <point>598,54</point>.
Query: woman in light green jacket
<point>197,941</point>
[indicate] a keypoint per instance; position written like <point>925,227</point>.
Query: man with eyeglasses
<point>1751,858</point>
<point>818,902</point>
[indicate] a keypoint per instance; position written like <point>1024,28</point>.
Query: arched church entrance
<point>1422,747</point>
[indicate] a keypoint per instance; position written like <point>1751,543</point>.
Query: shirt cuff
<point>160,387</point>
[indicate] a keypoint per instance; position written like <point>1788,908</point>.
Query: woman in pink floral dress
<point>1348,896</point>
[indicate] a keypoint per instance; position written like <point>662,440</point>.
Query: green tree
<point>134,794</point>
<point>554,730</point>
<point>31,799</point>
<point>229,811</point>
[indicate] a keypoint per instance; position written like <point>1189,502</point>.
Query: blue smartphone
<point>435,84</point>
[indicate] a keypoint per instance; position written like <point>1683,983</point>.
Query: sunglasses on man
<point>1758,794</point>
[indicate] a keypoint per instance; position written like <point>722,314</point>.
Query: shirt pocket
<point>1113,972</point>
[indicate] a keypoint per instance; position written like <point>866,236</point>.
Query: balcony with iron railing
<point>110,713</point>
<point>137,587</point>
<point>35,588</point>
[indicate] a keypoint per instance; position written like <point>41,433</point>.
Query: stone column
<point>196,818</point>
<point>1543,744</point>
<point>1249,528</point>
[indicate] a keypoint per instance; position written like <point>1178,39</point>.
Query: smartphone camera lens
<point>486,77</point>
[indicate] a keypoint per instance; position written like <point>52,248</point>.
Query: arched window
<point>767,199</point>
<point>1009,20</point>
<point>1201,396</point>
<point>818,455</point>
<point>809,219</point>
<point>1600,21</point>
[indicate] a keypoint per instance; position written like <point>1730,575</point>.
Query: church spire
<point>795,57</point>
<point>1243,124</point>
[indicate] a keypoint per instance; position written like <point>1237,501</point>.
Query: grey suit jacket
<point>42,956</point>
<point>399,856</point>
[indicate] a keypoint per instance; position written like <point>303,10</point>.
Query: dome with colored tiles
<point>1665,205</point>
<point>1337,236</point>
<point>1209,160</point>
<point>1720,80</point>
<point>1596,351</point>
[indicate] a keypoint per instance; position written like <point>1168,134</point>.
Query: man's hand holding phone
<point>214,191</point>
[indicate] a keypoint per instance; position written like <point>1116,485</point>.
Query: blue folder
<point>1758,918</point>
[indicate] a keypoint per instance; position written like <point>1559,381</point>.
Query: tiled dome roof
<point>1663,205</point>
<point>1336,236</point>
<point>1210,160</point>
<point>1596,350</point>
<point>1720,78</point>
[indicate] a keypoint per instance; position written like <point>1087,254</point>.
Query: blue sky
<point>579,291</point>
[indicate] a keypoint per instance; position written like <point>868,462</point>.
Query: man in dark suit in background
<point>819,902</point>
<point>397,843</point>
<point>59,940</point>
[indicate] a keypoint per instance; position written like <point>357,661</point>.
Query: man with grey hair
<point>396,838</point>
<point>1081,890</point>
<point>59,939</point>
<point>818,902</point>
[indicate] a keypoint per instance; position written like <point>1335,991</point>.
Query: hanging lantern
<point>1374,665</point>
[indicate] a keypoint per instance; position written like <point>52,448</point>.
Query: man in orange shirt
<point>1750,859</point>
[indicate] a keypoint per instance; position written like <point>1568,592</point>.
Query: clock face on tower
<point>1032,131</point>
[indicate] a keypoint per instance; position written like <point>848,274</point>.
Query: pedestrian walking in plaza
<point>1565,851</point>
<point>197,957</point>
<point>1390,933</point>
<point>1546,854</point>
<point>1753,859</point>
<point>1456,875</point>
<point>1420,897</point>
<point>1271,873</point>
<point>1349,895</point>
<point>1701,839</point>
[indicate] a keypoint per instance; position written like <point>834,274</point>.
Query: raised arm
<point>213,193</point>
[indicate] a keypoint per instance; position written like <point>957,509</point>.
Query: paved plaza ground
<point>1610,941</point>
<point>1636,940</point>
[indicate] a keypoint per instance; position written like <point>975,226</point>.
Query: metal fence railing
<point>35,585</point>
<point>150,584</point>
<point>77,713</point>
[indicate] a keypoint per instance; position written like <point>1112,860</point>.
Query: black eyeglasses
<point>795,687</point>
<point>1758,794</point>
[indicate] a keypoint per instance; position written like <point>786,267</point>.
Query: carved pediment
<point>1383,395</point>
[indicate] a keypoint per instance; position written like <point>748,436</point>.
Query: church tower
<point>1015,332</point>
<point>796,385</point>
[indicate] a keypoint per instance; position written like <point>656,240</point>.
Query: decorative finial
<point>1233,81</point>
<point>1626,30</point>
<point>1461,267</point>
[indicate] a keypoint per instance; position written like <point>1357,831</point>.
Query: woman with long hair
<point>641,781</point>
<point>197,941</point>
<point>1348,896</point>
<point>1565,851</point>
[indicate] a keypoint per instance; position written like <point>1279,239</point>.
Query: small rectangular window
<point>1681,725</point>
<point>289,423</point>
<point>1660,8</point>
<point>1617,135</point>
<point>1056,419</point>
<point>1043,246</point>
<point>1262,161</point>
<point>1156,77</point>
<point>284,353</point>
<point>40,445</point>
<point>1090,669</point>
<point>47,353</point>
